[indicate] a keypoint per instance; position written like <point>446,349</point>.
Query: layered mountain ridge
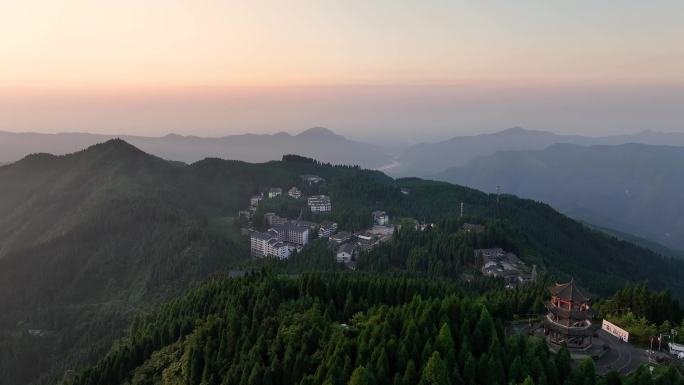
<point>94,238</point>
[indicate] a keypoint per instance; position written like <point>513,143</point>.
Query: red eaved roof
<point>568,292</point>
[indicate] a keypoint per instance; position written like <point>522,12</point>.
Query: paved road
<point>622,356</point>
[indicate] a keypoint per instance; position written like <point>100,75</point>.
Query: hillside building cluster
<point>503,264</point>
<point>319,204</point>
<point>280,240</point>
<point>348,246</point>
<point>286,236</point>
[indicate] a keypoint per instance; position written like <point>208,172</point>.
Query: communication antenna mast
<point>498,193</point>
<point>461,209</point>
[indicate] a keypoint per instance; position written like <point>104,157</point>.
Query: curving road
<point>622,357</point>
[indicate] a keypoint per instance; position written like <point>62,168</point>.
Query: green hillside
<point>91,239</point>
<point>341,328</point>
<point>88,241</point>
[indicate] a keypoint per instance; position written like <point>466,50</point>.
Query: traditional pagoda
<point>569,317</point>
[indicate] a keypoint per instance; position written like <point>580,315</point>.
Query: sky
<point>387,70</point>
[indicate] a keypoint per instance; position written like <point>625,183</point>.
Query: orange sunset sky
<point>219,67</point>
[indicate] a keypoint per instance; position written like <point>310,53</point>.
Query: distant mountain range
<point>632,188</point>
<point>428,158</point>
<point>451,160</point>
<point>318,142</point>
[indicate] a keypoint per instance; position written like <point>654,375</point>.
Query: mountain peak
<point>116,143</point>
<point>320,132</point>
<point>115,147</point>
<point>514,130</point>
<point>173,136</point>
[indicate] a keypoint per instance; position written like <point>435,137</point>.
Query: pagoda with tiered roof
<point>569,317</point>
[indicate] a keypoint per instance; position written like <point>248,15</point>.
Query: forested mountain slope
<point>633,188</point>
<point>355,329</point>
<point>90,239</point>
<point>86,241</point>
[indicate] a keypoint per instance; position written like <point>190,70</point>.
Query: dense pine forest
<point>644,313</point>
<point>340,328</point>
<point>90,241</point>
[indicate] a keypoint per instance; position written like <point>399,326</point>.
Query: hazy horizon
<point>395,114</point>
<point>381,71</point>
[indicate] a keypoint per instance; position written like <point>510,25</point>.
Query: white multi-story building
<point>294,192</point>
<point>319,204</point>
<point>269,244</point>
<point>293,233</point>
<point>380,218</point>
<point>260,242</point>
<point>279,249</point>
<point>274,192</point>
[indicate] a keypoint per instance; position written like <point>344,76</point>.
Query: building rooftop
<point>383,230</point>
<point>494,252</point>
<point>367,235</point>
<point>341,235</point>
<point>276,243</point>
<point>264,236</point>
<point>300,222</point>
<point>291,226</point>
<point>309,177</point>
<point>319,198</point>
<point>568,292</point>
<point>347,247</point>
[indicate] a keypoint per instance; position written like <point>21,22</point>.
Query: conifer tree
<point>362,376</point>
<point>445,345</point>
<point>410,375</point>
<point>435,372</point>
<point>563,362</point>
